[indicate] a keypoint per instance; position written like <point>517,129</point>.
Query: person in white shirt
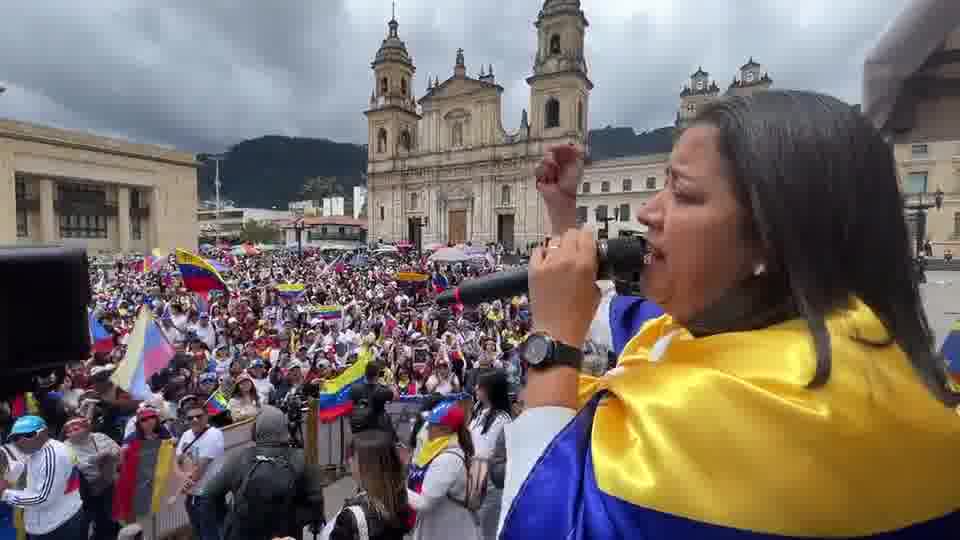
<point>258,372</point>
<point>443,380</point>
<point>200,455</point>
<point>491,414</point>
<point>53,509</point>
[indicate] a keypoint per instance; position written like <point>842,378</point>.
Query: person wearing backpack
<point>438,486</point>
<point>275,494</point>
<point>491,414</point>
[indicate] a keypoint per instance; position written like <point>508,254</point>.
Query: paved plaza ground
<point>941,297</point>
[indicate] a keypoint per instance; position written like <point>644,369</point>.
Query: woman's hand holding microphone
<point>563,291</point>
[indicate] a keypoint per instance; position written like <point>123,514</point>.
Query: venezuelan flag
<point>291,291</point>
<point>719,437</point>
<point>329,313</point>
<point>148,352</point>
<point>198,275</point>
<point>142,486</point>
<point>217,403</point>
<point>334,400</point>
<point>100,339</point>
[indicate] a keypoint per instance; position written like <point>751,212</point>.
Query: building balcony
<point>68,207</point>
<point>142,213</point>
<point>30,203</point>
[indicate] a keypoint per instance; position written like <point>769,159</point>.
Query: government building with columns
<point>442,169</point>
<point>70,188</point>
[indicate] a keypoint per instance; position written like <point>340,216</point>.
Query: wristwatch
<point>541,351</point>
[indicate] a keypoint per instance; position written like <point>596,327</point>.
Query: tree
<point>260,232</point>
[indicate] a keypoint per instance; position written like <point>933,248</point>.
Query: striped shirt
<point>52,494</point>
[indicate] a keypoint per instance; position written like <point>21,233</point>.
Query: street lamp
<point>216,159</point>
<point>919,207</point>
<point>420,222</point>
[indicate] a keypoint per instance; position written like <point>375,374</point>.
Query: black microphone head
<point>620,255</point>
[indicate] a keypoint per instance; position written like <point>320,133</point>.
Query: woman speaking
<point>790,389</point>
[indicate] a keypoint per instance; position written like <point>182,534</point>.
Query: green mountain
<point>614,142</point>
<point>273,170</point>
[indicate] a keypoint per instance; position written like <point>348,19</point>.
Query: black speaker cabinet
<point>44,294</point>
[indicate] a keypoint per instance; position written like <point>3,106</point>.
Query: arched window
<point>403,87</point>
<point>414,200</point>
<point>384,86</point>
<point>627,184</point>
<point>579,116</point>
<point>585,187</point>
<point>456,134</point>
<point>406,142</point>
<point>505,196</point>
<point>552,113</point>
<point>604,187</point>
<point>381,141</point>
<point>555,44</point>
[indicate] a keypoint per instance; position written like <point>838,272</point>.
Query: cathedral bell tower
<point>560,88</point>
<point>392,116</point>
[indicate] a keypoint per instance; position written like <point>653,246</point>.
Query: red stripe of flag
<point>126,482</point>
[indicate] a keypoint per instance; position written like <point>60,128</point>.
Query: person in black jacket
<point>370,402</point>
<point>272,441</point>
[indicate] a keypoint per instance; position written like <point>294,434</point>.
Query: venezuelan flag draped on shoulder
<point>719,437</point>
<point>199,275</point>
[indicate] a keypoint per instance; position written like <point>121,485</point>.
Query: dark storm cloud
<point>202,74</point>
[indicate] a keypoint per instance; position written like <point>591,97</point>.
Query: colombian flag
<point>719,437</point>
<point>143,485</point>
<point>334,400</point>
<point>198,275</point>
<point>148,352</point>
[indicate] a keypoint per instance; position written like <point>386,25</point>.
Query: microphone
<point>618,258</point>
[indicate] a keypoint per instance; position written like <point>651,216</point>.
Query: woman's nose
<point>650,214</point>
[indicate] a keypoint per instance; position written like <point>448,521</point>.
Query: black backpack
<point>266,493</point>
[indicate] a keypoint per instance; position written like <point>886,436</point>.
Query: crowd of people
<point>267,353</point>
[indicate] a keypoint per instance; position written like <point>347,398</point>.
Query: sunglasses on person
<point>194,417</point>
<point>24,436</point>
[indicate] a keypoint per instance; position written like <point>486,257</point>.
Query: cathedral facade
<point>442,169</point>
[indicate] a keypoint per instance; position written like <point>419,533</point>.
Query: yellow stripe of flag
<point>161,476</point>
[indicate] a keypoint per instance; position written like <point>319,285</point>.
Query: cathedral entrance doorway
<point>505,231</point>
<point>457,227</point>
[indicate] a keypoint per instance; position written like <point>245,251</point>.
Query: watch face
<point>536,350</point>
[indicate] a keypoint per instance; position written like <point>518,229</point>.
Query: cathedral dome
<point>557,7</point>
<point>393,49</point>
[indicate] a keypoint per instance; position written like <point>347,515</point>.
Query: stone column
<point>46,192</point>
<point>123,219</point>
<point>8,192</point>
<point>153,223</point>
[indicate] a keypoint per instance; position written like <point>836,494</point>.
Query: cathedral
<point>441,167</point>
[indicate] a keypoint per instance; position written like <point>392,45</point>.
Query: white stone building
<point>444,167</point>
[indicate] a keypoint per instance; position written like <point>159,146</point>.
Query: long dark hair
<point>820,185</point>
<point>495,384</point>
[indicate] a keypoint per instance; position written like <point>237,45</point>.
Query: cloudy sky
<point>203,74</point>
